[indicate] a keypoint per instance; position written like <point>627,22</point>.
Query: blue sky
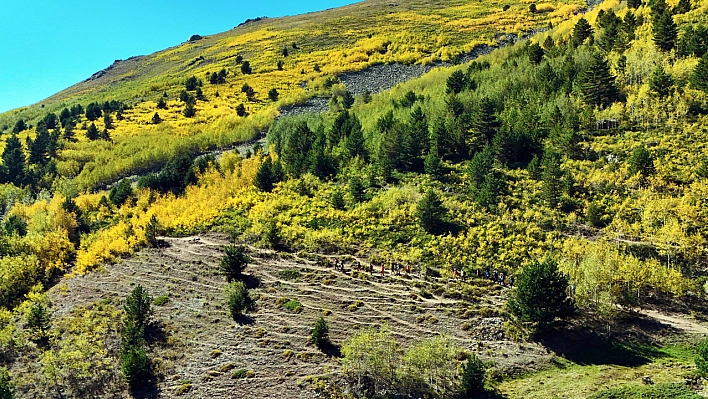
<point>48,45</point>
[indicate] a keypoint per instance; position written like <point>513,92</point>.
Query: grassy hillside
<point>332,42</point>
<point>582,149</point>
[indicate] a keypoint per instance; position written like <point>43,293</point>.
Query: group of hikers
<point>398,268</point>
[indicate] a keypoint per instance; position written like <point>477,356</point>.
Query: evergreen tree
<point>634,3</point>
<point>93,111</point>
<point>337,200</point>
<point>248,90</point>
<point>456,82</point>
<point>641,162</point>
<point>664,29</point>
<point>273,94</point>
<point>295,152</point>
<point>320,333</point>
<point>13,162</point>
<point>151,231</point>
<point>347,100</point>
<point>192,83</point>
<point>473,376</point>
<point>596,84</point>
<point>246,68</point>
<point>39,147</point>
<point>7,388</point>
<point>480,165</point>
<point>135,367</point>
<point>535,53</point>
<point>357,189</point>
<point>699,76</point>
<point>540,294</point>
<point>64,117</point>
<point>492,188</point>
<point>241,110</point>
<point>682,7</point>
<point>234,262</point>
<point>20,126</point>
<point>189,110</point>
<point>121,192</point>
<point>238,298</point>
<point>92,132</point>
<point>265,178</point>
<point>279,65</point>
<point>50,121</point>
<point>551,178</point>
<point>581,31</point>
<point>431,212</point>
<point>77,110</point>
<point>355,143</point>
<point>161,103</point>
<point>484,119</point>
<point>37,321</point>
<point>107,120</point>
<point>156,120</point>
<point>433,163</point>
<point>660,82</point>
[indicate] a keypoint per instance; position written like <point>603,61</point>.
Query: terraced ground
<point>203,346</point>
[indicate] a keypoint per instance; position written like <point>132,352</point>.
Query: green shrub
<point>237,298</point>
<point>320,333</point>
<point>161,300</point>
<point>293,305</point>
<point>541,293</point>
<point>240,373</point>
<point>234,262</point>
<point>289,274</point>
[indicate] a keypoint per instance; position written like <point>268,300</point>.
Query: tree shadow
<point>155,332</point>
<point>331,350</point>
<point>586,347</point>
<point>245,320</point>
<point>251,281</point>
<point>149,390</point>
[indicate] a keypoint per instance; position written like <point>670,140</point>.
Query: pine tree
<point>431,212</point>
<point>456,82</point>
<point>660,82</point>
<point>540,294</point>
<point>581,31</point>
<point>356,189</point>
<point>93,111</point>
<point>596,84</point>
<point>13,162</point>
<point>634,3</point>
<point>156,120</point>
<point>39,147</point>
<point>641,162</point>
<point>484,119</point>
<point>535,53</point>
<point>241,110</point>
<point>320,333</point>
<point>265,178</point>
<point>37,321</point>
<point>92,132</point>
<point>665,31</point>
<point>355,143</point>
<point>7,389</point>
<point>237,298</point>
<point>107,120</point>
<point>480,165</point>
<point>234,262</point>
<point>699,76</point>
<point>64,117</point>
<point>473,376</point>
<point>246,68</point>
<point>151,231</point>
<point>161,103</point>
<point>189,110</point>
<point>273,94</point>
<point>20,126</point>
<point>433,163</point>
<point>347,100</point>
<point>551,179</point>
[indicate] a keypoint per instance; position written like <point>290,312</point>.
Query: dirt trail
<point>680,323</point>
<point>274,342</point>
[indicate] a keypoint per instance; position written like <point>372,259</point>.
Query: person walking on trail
<point>382,270</point>
<point>462,274</point>
<point>408,268</point>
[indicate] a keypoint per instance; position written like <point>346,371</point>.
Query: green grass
<point>660,391</point>
<point>289,274</point>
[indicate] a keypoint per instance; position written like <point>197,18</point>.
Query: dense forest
<point>572,165</point>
